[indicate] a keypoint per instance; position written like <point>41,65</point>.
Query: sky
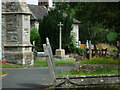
<point>35,2</point>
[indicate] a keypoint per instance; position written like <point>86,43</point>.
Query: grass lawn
<point>39,63</point>
<point>100,71</point>
<point>12,66</point>
<point>100,60</point>
<point>43,63</point>
<point>95,71</point>
<point>2,73</point>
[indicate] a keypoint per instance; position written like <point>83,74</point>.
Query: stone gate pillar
<point>16,33</point>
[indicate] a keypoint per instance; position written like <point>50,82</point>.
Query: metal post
<point>0,29</point>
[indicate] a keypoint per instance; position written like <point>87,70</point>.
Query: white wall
<point>37,24</point>
<point>75,32</point>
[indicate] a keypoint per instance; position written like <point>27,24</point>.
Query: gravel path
<point>30,77</point>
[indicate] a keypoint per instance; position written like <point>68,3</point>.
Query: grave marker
<point>60,53</point>
<point>60,39</point>
<point>49,58</point>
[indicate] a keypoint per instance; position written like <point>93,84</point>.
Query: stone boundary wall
<point>87,80</point>
<point>79,66</point>
<point>99,66</point>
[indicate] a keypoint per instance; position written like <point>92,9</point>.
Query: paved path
<point>30,77</point>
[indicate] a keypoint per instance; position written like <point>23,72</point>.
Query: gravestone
<point>49,58</point>
<point>16,32</point>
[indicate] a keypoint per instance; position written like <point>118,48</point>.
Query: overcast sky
<point>32,2</point>
<point>36,1</point>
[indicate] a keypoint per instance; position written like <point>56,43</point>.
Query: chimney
<point>47,3</point>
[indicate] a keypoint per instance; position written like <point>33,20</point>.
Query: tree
<point>34,36</point>
<point>98,18</point>
<point>114,37</point>
<point>49,28</point>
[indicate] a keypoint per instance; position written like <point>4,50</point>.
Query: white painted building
<point>75,30</point>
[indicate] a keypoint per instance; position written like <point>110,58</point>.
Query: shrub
<point>34,36</point>
<point>80,51</point>
<point>100,60</point>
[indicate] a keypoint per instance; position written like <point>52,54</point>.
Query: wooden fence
<point>99,52</point>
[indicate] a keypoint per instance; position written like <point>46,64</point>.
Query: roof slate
<point>38,12</point>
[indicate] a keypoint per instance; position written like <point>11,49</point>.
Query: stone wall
<point>87,80</point>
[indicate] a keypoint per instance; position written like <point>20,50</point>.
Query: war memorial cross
<point>60,37</point>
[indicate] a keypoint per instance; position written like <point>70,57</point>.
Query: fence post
<point>90,52</point>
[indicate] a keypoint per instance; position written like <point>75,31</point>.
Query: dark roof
<point>75,21</point>
<point>38,12</point>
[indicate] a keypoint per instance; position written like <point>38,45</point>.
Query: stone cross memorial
<point>60,52</point>
<point>16,32</point>
<point>60,42</point>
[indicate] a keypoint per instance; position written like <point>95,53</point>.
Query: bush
<point>80,51</point>
<point>34,36</point>
<point>100,60</point>
<point>49,28</point>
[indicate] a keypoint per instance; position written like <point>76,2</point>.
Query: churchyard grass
<point>64,62</point>
<point>98,71</point>
<point>100,60</point>
<point>43,63</point>
<point>39,63</point>
<point>12,66</point>
<point>85,70</point>
<point>2,73</point>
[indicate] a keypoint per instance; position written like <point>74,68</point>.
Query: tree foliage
<point>98,19</point>
<point>112,36</point>
<point>34,36</point>
<point>49,28</point>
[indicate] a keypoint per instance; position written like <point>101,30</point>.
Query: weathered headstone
<point>16,32</point>
<point>49,58</point>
